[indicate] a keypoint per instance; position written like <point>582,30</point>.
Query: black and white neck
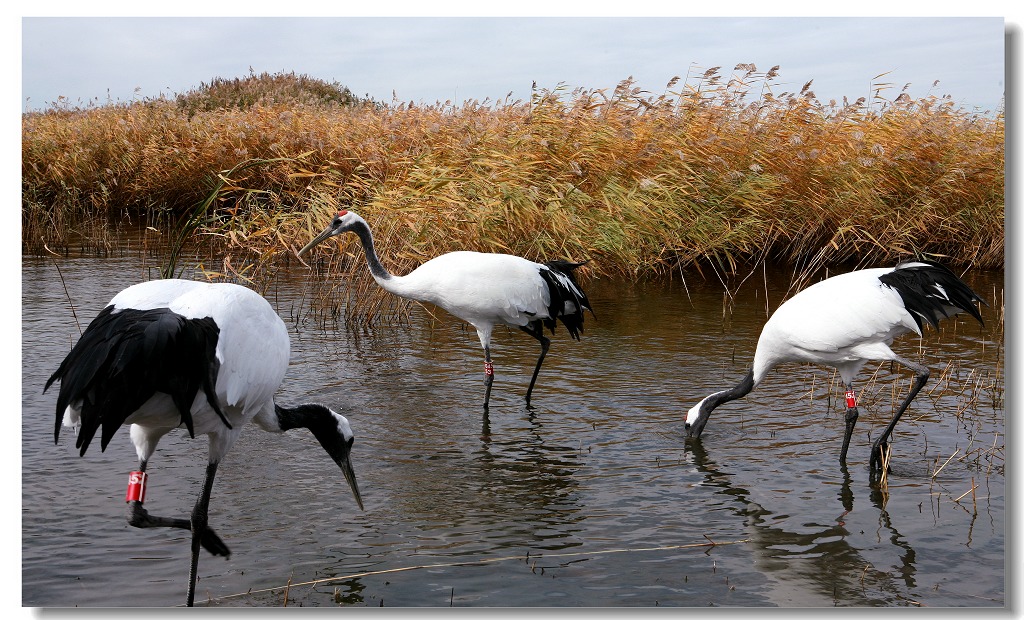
<point>362,230</point>
<point>697,416</point>
<point>330,428</point>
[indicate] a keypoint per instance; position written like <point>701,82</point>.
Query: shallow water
<point>592,498</point>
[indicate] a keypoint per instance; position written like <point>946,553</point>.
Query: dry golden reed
<point>714,173</point>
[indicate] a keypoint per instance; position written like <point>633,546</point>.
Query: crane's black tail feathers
<point>932,292</point>
<point>124,357</point>
<point>568,301</point>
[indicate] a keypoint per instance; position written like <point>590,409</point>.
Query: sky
<point>95,60</point>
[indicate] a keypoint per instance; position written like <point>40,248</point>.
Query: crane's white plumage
<point>464,284</point>
<point>253,350</point>
<point>483,289</point>
<point>166,354</point>
<point>845,321</point>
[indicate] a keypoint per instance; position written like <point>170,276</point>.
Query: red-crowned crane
<point>843,322</point>
<point>170,353</point>
<point>483,289</point>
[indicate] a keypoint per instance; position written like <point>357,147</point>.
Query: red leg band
<point>136,487</point>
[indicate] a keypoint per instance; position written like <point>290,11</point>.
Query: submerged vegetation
<point>715,173</point>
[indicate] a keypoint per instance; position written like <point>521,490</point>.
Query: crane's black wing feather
<point>126,356</point>
<point>930,291</point>
<point>568,301</point>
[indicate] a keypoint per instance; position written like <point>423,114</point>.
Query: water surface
<point>593,497</point>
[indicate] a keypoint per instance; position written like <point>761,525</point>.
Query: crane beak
<point>327,233</point>
<point>350,476</point>
<point>339,451</point>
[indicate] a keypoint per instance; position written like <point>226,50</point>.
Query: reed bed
<point>716,173</point>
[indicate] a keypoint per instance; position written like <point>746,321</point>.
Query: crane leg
<point>488,376</point>
<point>851,420</point>
<point>138,516</point>
<point>920,378</point>
<point>199,529</point>
<point>536,330</point>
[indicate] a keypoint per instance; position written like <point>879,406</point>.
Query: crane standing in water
<point>170,353</point>
<point>843,322</point>
<point>483,289</point>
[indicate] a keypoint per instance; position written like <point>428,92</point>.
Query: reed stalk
<point>713,175</point>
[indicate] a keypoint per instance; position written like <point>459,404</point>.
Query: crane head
<point>696,419</point>
<point>333,432</point>
<point>343,221</point>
